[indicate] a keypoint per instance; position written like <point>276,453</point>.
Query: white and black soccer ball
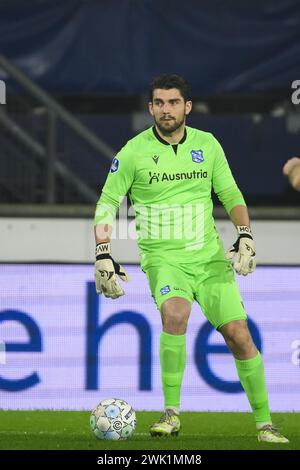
<point>113,419</point>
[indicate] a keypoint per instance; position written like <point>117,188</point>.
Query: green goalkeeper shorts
<point>212,285</point>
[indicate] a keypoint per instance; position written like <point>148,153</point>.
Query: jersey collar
<point>163,141</point>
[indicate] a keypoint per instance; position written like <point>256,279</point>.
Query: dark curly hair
<point>168,81</point>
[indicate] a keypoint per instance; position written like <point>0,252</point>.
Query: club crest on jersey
<point>165,290</point>
<point>197,156</point>
<point>114,165</point>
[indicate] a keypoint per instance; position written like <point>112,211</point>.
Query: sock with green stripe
<point>252,377</point>
<point>172,360</point>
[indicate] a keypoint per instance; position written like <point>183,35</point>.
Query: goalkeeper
<point>169,171</point>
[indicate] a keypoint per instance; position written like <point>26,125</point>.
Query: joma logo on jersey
<point>157,177</point>
<point>165,290</point>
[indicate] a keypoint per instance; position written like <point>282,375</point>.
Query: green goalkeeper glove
<point>106,268</point>
<point>242,252</point>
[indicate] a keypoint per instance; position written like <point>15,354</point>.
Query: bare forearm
<point>239,216</point>
<point>102,233</point>
<point>291,169</point>
<point>294,177</point>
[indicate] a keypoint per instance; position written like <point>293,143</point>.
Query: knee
<point>174,321</point>
<point>175,316</point>
<point>236,334</point>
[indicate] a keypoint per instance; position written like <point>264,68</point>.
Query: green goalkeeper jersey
<point>170,188</point>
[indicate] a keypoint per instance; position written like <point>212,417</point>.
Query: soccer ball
<point>113,419</point>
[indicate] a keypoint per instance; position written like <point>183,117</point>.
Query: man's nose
<point>166,108</point>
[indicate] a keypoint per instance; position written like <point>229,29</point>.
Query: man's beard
<point>172,127</point>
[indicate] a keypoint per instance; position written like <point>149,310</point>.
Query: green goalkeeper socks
<point>172,360</point>
<point>252,377</point>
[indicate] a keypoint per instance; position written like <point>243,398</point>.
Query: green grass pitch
<point>66,430</point>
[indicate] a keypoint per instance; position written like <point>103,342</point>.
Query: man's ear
<point>150,107</point>
<point>188,107</point>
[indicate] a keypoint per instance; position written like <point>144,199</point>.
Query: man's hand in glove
<point>106,269</point>
<point>242,252</point>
